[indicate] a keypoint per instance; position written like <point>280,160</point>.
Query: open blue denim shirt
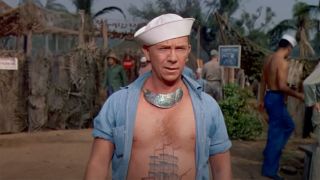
<point>115,122</point>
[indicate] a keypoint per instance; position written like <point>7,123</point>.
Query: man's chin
<point>171,79</point>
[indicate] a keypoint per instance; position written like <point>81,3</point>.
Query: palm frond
<point>107,10</point>
<point>283,26</point>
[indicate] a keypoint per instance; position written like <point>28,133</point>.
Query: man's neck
<point>282,53</point>
<point>156,85</point>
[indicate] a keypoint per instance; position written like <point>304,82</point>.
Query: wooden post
<point>104,31</point>
<point>231,75</point>
<point>18,42</point>
<point>29,43</point>
<point>46,41</point>
<point>81,32</point>
<point>56,43</point>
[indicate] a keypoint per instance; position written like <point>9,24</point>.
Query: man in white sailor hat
<point>162,126</point>
<point>274,79</point>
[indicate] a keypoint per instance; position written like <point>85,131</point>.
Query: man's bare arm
<point>221,166</point>
<point>99,162</point>
<point>262,90</point>
<point>282,75</point>
<point>263,84</point>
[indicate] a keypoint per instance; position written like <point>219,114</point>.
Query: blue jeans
<point>280,129</point>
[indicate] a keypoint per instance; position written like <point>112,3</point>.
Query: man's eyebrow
<point>163,46</point>
<point>182,45</point>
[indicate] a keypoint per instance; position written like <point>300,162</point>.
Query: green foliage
<point>242,120</point>
<point>185,8</point>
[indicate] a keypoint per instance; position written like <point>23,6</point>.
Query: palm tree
<point>86,7</point>
<point>303,22</point>
<point>150,10</point>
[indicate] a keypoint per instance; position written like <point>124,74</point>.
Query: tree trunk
<point>29,43</point>
<point>81,32</point>
<point>104,29</point>
<point>56,43</point>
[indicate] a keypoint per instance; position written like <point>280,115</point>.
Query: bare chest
<point>163,142</point>
<point>174,127</point>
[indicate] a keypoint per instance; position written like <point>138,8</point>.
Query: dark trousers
<point>307,125</point>
<point>280,129</point>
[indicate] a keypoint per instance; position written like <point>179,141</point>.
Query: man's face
<point>168,58</point>
<point>289,51</point>
<point>111,61</point>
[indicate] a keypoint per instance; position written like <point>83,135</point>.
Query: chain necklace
<point>164,101</point>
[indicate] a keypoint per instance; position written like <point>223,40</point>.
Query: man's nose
<point>173,56</point>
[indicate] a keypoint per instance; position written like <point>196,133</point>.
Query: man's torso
<point>114,76</point>
<point>163,141</point>
<point>270,72</point>
<point>212,71</point>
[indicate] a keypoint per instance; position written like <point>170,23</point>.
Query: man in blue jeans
<point>161,126</point>
<point>275,72</point>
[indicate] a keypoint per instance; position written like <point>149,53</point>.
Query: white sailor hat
<point>164,27</point>
<point>290,39</point>
<point>214,52</point>
<point>143,59</point>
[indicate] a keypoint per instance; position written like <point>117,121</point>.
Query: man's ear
<point>145,50</point>
<point>189,50</point>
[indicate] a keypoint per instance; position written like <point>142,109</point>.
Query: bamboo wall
<point>55,92</point>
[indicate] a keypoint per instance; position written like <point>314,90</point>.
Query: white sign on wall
<point>9,63</point>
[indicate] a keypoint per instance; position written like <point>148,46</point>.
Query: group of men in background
<point>211,77</point>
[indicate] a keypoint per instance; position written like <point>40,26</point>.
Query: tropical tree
<point>248,27</point>
<point>86,5</point>
<point>303,23</point>
<point>211,27</point>
<point>54,5</point>
<point>89,16</point>
<point>184,8</point>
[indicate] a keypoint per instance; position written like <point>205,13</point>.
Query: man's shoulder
<point>118,95</point>
<point>208,100</point>
<point>280,62</point>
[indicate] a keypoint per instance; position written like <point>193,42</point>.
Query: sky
<point>282,8</point>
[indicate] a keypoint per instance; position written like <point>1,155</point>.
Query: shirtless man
<point>275,72</point>
<point>162,126</point>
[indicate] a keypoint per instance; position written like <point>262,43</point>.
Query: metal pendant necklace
<point>164,101</point>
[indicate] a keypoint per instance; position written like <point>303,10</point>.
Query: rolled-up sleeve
<point>103,123</point>
<point>219,141</point>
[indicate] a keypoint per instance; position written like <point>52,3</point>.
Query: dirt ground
<point>62,155</point>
